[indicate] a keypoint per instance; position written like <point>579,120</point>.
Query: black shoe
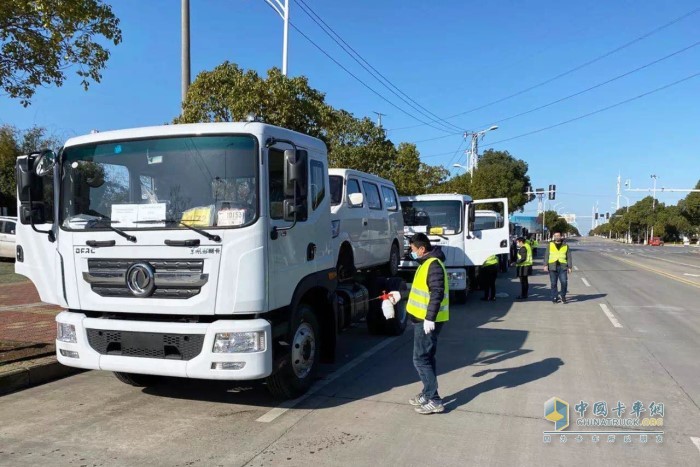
<point>563,300</point>
<point>555,301</point>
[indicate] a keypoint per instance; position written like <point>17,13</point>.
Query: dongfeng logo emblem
<point>140,279</point>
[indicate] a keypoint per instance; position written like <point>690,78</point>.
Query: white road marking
<point>691,275</point>
<point>696,442</point>
<point>284,406</point>
<point>575,268</point>
<point>610,316</point>
<point>585,282</point>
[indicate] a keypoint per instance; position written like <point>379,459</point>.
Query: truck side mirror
<point>295,171</point>
<point>290,210</point>
<point>45,163</point>
<point>471,217</point>
<point>356,200</point>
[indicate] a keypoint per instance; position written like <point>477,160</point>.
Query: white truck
<point>450,221</point>
<point>199,251</point>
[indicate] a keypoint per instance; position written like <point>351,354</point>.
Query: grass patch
<point>7,273</point>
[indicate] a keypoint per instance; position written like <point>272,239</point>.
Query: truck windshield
<point>445,214</point>
<point>201,181</point>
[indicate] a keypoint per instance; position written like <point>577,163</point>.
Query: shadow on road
<point>464,342</point>
<point>506,378</point>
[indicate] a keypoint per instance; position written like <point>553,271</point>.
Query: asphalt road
<point>631,332</point>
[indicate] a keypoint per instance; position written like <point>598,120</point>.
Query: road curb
<point>41,371</point>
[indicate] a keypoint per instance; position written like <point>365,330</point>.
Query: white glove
<point>428,326</point>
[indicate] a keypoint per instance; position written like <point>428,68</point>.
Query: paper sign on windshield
<point>229,217</point>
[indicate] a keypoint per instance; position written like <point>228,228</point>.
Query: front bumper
<point>257,364</point>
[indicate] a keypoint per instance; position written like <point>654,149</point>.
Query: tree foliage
<point>228,93</point>
<point>41,39</point>
<point>14,143</point>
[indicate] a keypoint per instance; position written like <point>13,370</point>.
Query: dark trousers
<point>488,277</point>
<point>424,348</point>
<point>558,273</point>
<point>524,286</point>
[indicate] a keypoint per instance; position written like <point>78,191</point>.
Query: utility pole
<point>185,47</point>
<point>282,9</point>
<point>619,180</point>
<point>653,203</point>
<point>379,118</point>
<point>474,149</point>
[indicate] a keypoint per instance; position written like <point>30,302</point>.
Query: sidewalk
<point>27,333</point>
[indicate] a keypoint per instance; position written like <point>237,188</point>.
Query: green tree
<point>499,175</point>
<point>229,94</point>
<point>690,209</point>
<point>410,175</point>
<point>41,39</point>
<point>14,143</point>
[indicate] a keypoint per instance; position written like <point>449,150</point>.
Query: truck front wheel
<point>297,374</point>
<point>138,380</point>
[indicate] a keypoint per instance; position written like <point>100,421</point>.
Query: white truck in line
<point>467,239</point>
<point>199,251</point>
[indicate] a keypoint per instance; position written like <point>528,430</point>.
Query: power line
<point>572,70</point>
<point>580,117</point>
<point>358,79</point>
<point>678,52</point>
<point>330,32</point>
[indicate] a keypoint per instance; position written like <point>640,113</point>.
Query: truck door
<point>487,230</point>
<point>37,256</point>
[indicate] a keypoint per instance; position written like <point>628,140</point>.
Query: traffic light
<point>607,215</point>
<point>531,194</point>
<point>552,192</point>
<point>596,216</point>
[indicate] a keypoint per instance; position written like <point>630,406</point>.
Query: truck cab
<point>450,221</point>
<point>200,251</point>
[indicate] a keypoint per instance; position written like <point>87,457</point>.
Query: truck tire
<point>297,374</point>
<point>138,380</point>
<point>391,268</point>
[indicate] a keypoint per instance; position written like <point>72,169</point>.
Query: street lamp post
<point>282,9</point>
<point>653,203</point>
<point>460,166</point>
<point>474,150</point>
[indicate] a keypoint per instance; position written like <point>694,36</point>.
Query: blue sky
<point>450,56</point>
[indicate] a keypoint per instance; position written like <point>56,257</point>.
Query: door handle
<point>365,222</point>
<point>310,252</point>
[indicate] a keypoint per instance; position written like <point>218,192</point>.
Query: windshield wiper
<point>213,238</point>
<point>109,221</point>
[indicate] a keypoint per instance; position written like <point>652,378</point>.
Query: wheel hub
<point>303,350</point>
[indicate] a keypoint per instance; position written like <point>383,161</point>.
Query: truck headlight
<point>239,342</point>
<point>66,333</point>
<point>335,228</point>
<point>456,276</point>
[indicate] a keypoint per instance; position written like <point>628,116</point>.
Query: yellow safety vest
<point>419,298</point>
<point>491,260</point>
<point>528,258</point>
<point>557,255</point>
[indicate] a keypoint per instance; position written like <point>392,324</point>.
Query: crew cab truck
<point>199,251</point>
<point>450,221</point>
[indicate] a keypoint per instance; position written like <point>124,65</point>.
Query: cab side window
<point>374,201</point>
<point>318,186</point>
<point>353,187</point>
<point>390,200</point>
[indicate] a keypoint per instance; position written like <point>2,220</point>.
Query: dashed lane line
<point>696,442</point>
<point>285,406</point>
<point>610,316</point>
<point>585,282</point>
<point>575,268</point>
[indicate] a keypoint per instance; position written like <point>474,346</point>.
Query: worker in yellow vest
<point>488,273</point>
<point>429,308</point>
<point>557,260</point>
<point>523,265</point>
